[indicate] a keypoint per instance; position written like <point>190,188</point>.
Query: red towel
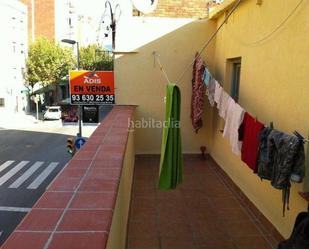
<point>249,150</point>
<point>198,93</point>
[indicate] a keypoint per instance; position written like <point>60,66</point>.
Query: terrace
<point>107,196</point>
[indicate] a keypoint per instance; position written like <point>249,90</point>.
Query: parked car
<point>52,112</point>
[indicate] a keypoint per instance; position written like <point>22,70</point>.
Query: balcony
<point>206,211</point>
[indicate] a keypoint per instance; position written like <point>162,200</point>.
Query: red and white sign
<point>92,87</point>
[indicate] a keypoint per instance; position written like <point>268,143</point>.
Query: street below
<point>32,153</point>
<point>29,161</point>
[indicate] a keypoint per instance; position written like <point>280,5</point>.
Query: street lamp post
<point>73,42</point>
<point>112,25</point>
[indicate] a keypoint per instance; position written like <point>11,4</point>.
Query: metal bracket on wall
<point>259,2</point>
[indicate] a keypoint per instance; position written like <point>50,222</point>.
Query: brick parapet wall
<point>77,209</point>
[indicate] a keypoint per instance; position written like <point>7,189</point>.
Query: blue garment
<point>206,76</point>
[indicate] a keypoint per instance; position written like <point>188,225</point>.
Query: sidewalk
<point>28,122</point>
<point>11,120</point>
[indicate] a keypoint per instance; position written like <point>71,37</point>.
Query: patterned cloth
<point>198,93</point>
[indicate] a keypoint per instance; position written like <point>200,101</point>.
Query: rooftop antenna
<point>145,6</point>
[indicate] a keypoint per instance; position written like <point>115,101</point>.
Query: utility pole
<point>73,42</point>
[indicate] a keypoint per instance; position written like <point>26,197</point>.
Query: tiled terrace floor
<point>203,213</point>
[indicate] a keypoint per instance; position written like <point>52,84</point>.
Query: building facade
<point>268,41</point>
<point>13,50</point>
<point>65,19</point>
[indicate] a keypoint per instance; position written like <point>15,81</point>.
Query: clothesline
<point>156,59</point>
<point>211,76</point>
<point>271,154</point>
<point>201,50</point>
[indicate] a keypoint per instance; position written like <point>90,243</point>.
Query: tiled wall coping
<point>76,210</point>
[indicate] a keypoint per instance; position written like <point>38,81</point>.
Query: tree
<point>47,62</point>
<point>95,57</point>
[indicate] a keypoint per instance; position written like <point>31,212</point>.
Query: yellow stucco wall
<point>274,86</point>
<point>138,82</point>
<point>118,233</point>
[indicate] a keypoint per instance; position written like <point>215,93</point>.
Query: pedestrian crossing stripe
<point>27,174</point>
<point>37,182</point>
<point>5,165</point>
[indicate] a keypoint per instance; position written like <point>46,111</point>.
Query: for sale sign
<point>92,87</point>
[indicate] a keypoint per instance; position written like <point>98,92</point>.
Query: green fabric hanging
<point>171,162</point>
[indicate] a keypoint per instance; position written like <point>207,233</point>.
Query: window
<point>14,47</point>
<point>235,80</point>
<point>233,73</point>
<point>2,102</point>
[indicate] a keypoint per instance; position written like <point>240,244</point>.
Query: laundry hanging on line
<point>249,135</point>
<point>250,139</point>
<point>198,93</point>
<point>171,161</point>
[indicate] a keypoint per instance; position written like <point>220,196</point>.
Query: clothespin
<point>271,125</point>
<point>298,135</point>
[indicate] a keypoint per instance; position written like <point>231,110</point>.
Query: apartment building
<point>69,19</point>
<point>13,51</point>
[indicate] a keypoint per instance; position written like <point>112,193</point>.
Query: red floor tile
<point>209,228</point>
<point>143,192</point>
<point>238,229</point>
<point>176,214</point>
<point>40,220</point>
<point>105,173</point>
<point>105,155</point>
<point>232,214</point>
<point>252,242</point>
<point>113,148</point>
<point>73,172</point>
<point>107,163</point>
<point>86,220</point>
<point>145,183</point>
<point>94,200</point>
<point>22,240</point>
<point>54,200</point>
<point>225,202</point>
<point>143,243</point>
<point>78,241</point>
<point>178,243</point>
<point>84,155</point>
<point>64,184</point>
<point>143,229</point>
<point>74,163</point>
<point>91,184</point>
<point>115,140</point>
<point>202,213</point>
<point>143,203</point>
<point>216,242</point>
<point>140,214</point>
<point>168,228</point>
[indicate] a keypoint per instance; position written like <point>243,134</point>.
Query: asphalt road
<point>29,161</point>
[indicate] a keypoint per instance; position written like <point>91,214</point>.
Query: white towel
<point>223,104</point>
<point>234,117</point>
